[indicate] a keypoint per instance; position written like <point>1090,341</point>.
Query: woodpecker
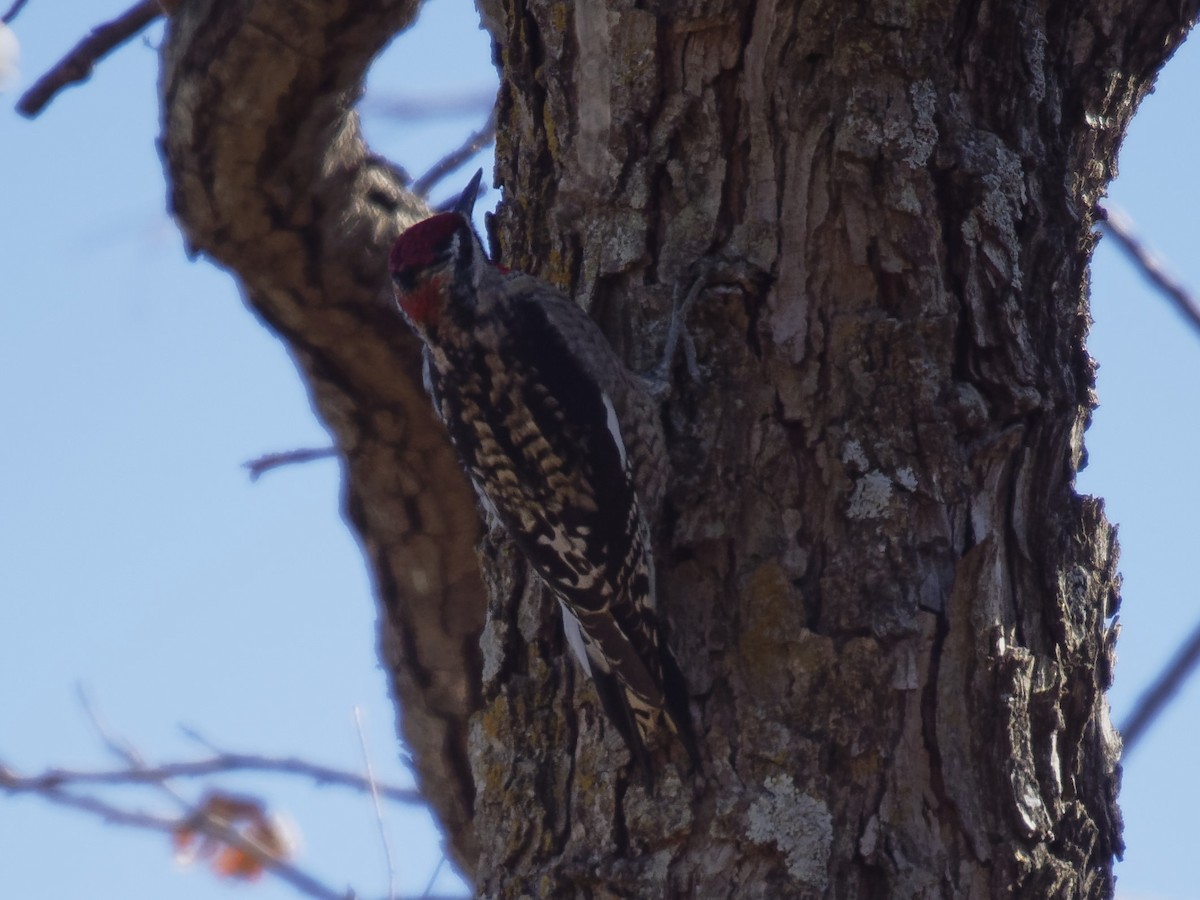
<point>565,449</point>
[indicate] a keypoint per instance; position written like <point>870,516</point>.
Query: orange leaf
<point>233,862</point>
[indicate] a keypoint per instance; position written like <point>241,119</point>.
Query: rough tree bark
<point>890,602</point>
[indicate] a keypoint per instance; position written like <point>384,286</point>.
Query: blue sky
<point>138,560</point>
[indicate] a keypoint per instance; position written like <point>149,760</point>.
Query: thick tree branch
<point>269,177</point>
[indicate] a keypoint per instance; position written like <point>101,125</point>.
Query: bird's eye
<point>404,278</point>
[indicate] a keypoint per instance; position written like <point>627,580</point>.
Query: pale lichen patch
<point>854,455</point>
<point>871,497</point>
<point>906,478</point>
<point>799,825</point>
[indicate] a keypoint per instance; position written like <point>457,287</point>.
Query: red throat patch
<point>414,252</point>
<point>421,304</point>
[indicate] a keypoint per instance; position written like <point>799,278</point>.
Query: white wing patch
<point>614,427</point>
<point>427,380</point>
<point>574,638</point>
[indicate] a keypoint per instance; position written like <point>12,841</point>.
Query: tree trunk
<point>890,603</point>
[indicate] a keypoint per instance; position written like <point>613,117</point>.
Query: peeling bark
<point>891,605</point>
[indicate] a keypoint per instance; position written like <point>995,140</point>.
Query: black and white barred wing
<point>542,440</point>
<point>583,527</point>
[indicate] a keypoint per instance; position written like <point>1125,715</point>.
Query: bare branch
<point>77,65</point>
<point>383,838</point>
<point>1118,224</point>
<point>451,161</point>
<point>224,820</point>
<point>1156,697</point>
<point>220,764</point>
<point>429,106</point>
<point>120,747</point>
<point>193,734</point>
<point>52,785</point>
<point>322,775</point>
<point>12,11</point>
<point>1168,683</point>
<point>437,870</point>
<point>281,868</point>
<point>258,467</point>
<point>12,783</point>
<point>305,883</point>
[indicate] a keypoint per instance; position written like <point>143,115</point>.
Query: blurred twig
<point>120,747</point>
<point>455,158</point>
<point>12,11</point>
<point>437,870</point>
<point>77,65</point>
<point>259,843</point>
<point>429,105</point>
<point>1117,224</point>
<point>125,750</point>
<point>171,825</point>
<point>258,467</point>
<point>220,764</point>
<point>383,837</point>
<point>1164,688</point>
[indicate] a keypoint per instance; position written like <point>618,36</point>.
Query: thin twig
<point>13,783</point>
<point>383,837</point>
<point>118,746</point>
<point>452,160</point>
<point>12,11</point>
<point>258,467</point>
<point>57,793</point>
<point>1156,697</point>
<point>322,775</point>
<point>1118,224</point>
<point>1164,688</point>
<point>77,65</point>
<point>437,870</point>
<point>281,868</point>
<point>124,749</point>
<point>218,765</point>
<point>222,761</point>
<point>192,734</point>
<point>54,785</point>
<point>297,878</point>
<point>428,105</point>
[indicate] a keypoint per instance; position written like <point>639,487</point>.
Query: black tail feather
<point>616,707</point>
<point>675,690</point>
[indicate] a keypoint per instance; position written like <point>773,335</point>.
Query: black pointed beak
<point>466,200</point>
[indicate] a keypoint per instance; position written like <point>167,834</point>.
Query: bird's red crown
<point>419,246</point>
